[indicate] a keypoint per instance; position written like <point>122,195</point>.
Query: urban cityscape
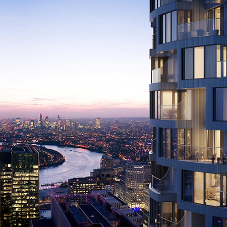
<point>113,151</point>
<point>129,138</point>
<point>122,179</point>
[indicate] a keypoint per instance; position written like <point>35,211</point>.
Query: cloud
<point>46,99</point>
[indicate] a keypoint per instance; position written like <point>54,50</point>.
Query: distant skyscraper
<point>67,124</point>
<point>59,122</point>
<point>18,121</point>
<point>19,182</point>
<point>32,123</point>
<point>97,122</point>
<point>40,121</point>
<point>46,121</point>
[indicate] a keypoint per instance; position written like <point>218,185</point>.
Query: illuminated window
<point>199,187</point>
<point>198,62</point>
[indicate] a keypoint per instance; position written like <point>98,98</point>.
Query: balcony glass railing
<point>181,111</point>
<point>165,2</point>
<point>221,68</point>
<point>167,73</point>
<point>165,184</point>
<point>169,112</point>
<point>153,41</point>
<point>202,154</point>
<point>168,222</point>
<point>202,28</point>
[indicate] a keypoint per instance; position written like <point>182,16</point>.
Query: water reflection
<point>78,163</point>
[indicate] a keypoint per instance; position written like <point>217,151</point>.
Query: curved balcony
<point>202,28</point>
<point>152,156</point>
<point>167,73</point>
<point>166,184</point>
<point>160,3</point>
<point>153,41</point>
<point>166,221</point>
<point>202,154</point>
<point>164,189</point>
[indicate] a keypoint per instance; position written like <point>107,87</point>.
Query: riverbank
<point>78,163</point>
<point>49,157</point>
<point>62,144</point>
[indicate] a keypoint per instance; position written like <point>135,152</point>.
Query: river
<point>78,163</point>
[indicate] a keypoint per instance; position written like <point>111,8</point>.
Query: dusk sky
<point>86,58</point>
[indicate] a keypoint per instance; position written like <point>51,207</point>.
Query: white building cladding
<point>188,113</point>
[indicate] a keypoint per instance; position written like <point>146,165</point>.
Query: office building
<point>188,113</point>
<point>131,187</point>
<point>86,185</point>
<point>19,183</point>
<point>91,210</point>
<point>106,162</point>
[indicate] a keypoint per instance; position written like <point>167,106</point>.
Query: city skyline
<point>75,59</point>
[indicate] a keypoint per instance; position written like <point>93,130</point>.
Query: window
<point>188,185</point>
<point>171,105</point>
<point>212,189</point>
<point>168,27</point>
<point>174,25</point>
<point>220,222</point>
<point>204,188</point>
<point>198,62</point>
<point>174,143</point>
<point>199,187</point>
<point>188,63</point>
<point>163,142</point>
<point>168,23</point>
<point>210,61</point>
<point>220,104</point>
<point>166,213</point>
<point>169,143</point>
<point>212,57</point>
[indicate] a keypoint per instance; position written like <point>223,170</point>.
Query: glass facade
<point>20,187</point>
<point>188,185</point>
<point>188,63</point>
<point>205,62</point>
<point>175,143</point>
<point>220,222</point>
<point>212,189</point>
<point>204,188</point>
<point>198,187</point>
<point>171,105</point>
<point>168,27</point>
<point>198,62</point>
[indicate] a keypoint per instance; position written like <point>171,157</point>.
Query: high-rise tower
<point>188,113</point>
<point>19,183</point>
<point>46,121</point>
<point>40,121</point>
<point>97,122</point>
